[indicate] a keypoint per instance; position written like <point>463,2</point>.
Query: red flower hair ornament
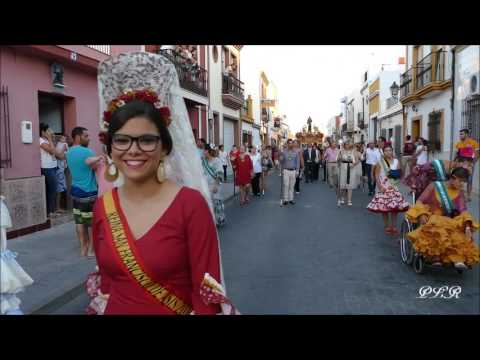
<point>131,95</point>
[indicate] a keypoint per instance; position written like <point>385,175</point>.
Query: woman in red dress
<point>155,240</point>
<point>243,174</point>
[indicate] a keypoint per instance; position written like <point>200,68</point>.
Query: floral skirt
<point>443,239</point>
<point>98,301</point>
<point>389,201</point>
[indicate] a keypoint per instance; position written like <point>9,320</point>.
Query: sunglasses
<point>146,143</point>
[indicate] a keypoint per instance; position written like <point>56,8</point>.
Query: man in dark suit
<point>310,156</point>
<point>316,166</point>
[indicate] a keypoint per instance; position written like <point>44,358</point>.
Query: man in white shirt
<point>257,170</point>
<point>372,156</point>
<point>223,156</point>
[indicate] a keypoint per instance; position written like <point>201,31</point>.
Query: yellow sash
<point>123,247</point>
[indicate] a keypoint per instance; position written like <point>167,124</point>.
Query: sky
<point>312,79</point>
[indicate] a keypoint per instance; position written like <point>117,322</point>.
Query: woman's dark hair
<point>388,146</point>
<point>43,127</point>
<point>143,109</point>
<point>460,158</point>
<point>460,173</point>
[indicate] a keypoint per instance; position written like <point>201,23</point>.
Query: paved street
<point>315,258</point>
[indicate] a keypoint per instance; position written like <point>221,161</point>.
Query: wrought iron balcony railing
<point>232,86</point>
<point>192,77</point>
<point>406,83</point>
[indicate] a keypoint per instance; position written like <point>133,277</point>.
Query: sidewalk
<point>51,257</point>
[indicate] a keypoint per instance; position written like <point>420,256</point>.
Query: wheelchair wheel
<point>406,247</point>
<point>418,264</point>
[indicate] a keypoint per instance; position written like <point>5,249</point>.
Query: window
<point>471,116</point>
<point>226,58</point>
<point>434,131</point>
<point>215,53</point>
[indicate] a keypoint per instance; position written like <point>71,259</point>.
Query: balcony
<point>244,112</point>
<point>431,69</point>
<point>427,78</point>
<point>232,92</point>
<point>406,83</point>
<point>192,77</point>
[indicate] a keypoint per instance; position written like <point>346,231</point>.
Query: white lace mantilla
<point>142,70</point>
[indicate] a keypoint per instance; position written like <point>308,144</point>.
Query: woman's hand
<point>468,233</point>
<point>423,219</point>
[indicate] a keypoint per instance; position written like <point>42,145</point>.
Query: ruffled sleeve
<point>414,212</point>
<point>203,249</point>
<point>463,218</point>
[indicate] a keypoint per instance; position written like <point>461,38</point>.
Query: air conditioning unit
<point>474,85</point>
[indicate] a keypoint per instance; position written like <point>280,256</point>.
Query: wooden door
<point>415,129</point>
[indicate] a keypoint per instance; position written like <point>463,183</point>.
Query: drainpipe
<point>452,105</point>
<point>207,66</point>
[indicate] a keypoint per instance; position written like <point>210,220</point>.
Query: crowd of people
<point>437,189</point>
<point>250,166</point>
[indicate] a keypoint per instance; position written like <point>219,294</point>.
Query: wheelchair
<point>408,253</point>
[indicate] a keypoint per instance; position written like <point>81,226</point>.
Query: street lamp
<point>394,89</point>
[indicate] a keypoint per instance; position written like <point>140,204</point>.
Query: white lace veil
<point>142,70</point>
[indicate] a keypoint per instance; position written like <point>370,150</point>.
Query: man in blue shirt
<point>82,162</point>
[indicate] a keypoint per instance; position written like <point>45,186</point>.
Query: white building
<point>426,90</point>
<point>331,126</point>
<point>383,106</point>
<point>466,98</point>
<point>226,95</point>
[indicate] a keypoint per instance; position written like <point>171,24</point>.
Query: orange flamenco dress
<point>443,238</point>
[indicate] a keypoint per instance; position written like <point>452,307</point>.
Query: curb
<point>58,301</point>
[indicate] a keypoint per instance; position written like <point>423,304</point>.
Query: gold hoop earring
<point>111,172</point>
<point>161,172</point>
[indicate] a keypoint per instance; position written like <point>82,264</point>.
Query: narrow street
<point>316,258</point>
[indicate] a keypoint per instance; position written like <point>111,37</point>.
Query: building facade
<point>54,84</point>
<point>466,98</point>
<point>425,92</point>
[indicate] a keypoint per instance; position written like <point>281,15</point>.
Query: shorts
<point>83,210</point>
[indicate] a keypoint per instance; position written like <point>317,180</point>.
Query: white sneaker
<point>339,203</point>
<point>342,202</point>
<point>461,265</point>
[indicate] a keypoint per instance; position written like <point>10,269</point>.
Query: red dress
<point>177,251</point>
<point>243,172</point>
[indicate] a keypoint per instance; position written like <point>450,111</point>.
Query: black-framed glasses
<point>146,143</point>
